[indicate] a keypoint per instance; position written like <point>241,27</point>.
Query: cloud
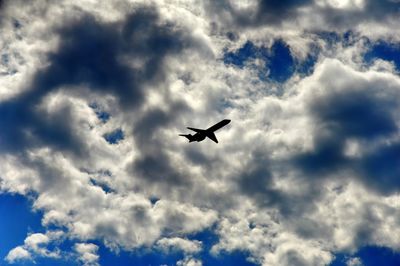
<point>176,243</point>
<point>326,169</point>
<point>189,262</point>
<point>354,262</point>
<point>338,111</point>
<point>357,12</point>
<point>259,19</point>
<point>256,13</point>
<point>306,169</point>
<point>35,246</point>
<point>16,254</point>
<point>87,253</point>
<point>93,54</point>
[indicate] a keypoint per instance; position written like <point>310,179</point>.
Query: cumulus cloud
<point>255,13</point>
<point>35,245</point>
<point>176,243</point>
<point>189,262</point>
<point>87,253</point>
<point>307,168</point>
<point>354,262</point>
<point>18,253</point>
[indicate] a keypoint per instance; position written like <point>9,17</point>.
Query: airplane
<point>201,134</point>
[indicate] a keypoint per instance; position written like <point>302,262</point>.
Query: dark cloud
<point>265,12</point>
<point>196,156</point>
<point>92,53</point>
<point>377,9</point>
<point>256,182</point>
<point>339,117</point>
<point>311,229</point>
<point>95,55</point>
<point>327,156</point>
<point>371,11</point>
<point>154,165</point>
<point>346,113</point>
<point>89,55</point>
<point>158,170</point>
<point>365,230</point>
<point>380,169</point>
<point>154,120</point>
<point>294,258</point>
<point>2,7</point>
<point>52,181</point>
<point>23,126</point>
<point>276,10</point>
<point>362,115</point>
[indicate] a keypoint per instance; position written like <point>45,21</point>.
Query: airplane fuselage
<point>197,137</point>
<point>201,134</point>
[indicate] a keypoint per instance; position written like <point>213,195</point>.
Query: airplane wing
<point>196,129</point>
<point>212,136</point>
<point>219,125</point>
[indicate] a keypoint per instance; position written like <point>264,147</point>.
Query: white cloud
<point>176,243</point>
<point>250,185</point>
<point>189,262</point>
<point>87,253</point>
<point>354,262</point>
<point>35,245</point>
<point>16,254</point>
<point>342,4</point>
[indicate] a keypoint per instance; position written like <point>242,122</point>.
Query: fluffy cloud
<point>307,168</point>
<point>176,243</point>
<point>263,16</point>
<point>87,253</point>
<point>189,262</point>
<point>35,245</point>
<point>354,262</point>
<point>18,253</point>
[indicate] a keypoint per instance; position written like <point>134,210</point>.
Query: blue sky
<point>20,220</point>
<point>93,97</point>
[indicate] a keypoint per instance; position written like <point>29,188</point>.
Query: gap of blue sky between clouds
<point>278,63</point>
<point>386,51</point>
<point>115,136</point>
<point>369,256</point>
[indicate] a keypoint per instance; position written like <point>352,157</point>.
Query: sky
<point>93,96</point>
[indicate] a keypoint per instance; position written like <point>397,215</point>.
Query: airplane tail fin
<point>212,136</point>
<point>188,136</point>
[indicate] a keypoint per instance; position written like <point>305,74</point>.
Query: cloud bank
<point>93,96</point>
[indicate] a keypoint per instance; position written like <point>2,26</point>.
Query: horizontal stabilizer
<point>188,136</point>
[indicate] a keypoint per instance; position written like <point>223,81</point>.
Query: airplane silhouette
<point>201,134</point>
